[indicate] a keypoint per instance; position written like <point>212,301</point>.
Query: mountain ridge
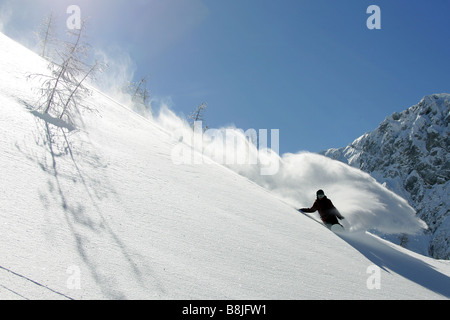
<point>409,152</point>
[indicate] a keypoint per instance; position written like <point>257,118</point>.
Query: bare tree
<point>64,89</point>
<point>198,115</point>
<point>140,95</point>
<point>403,238</point>
<point>46,34</point>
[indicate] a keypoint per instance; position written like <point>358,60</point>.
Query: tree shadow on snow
<point>389,259</point>
<point>63,160</point>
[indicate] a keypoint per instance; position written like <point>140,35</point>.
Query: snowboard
<point>336,228</point>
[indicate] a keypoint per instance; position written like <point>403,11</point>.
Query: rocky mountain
<point>409,154</point>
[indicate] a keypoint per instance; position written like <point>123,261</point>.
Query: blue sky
<point>311,68</point>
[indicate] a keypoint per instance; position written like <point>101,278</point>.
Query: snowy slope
<point>102,212</point>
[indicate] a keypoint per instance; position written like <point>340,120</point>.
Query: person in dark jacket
<point>327,211</point>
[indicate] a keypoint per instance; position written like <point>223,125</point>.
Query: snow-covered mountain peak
<point>410,153</point>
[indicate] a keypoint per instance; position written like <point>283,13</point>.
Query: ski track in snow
<point>31,282</point>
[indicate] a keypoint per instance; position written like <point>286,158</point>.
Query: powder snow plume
<point>366,204</point>
<point>293,178</point>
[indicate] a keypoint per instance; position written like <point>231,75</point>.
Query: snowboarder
<point>327,211</point>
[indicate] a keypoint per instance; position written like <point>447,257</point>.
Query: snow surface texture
<point>103,212</point>
<point>409,153</point>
